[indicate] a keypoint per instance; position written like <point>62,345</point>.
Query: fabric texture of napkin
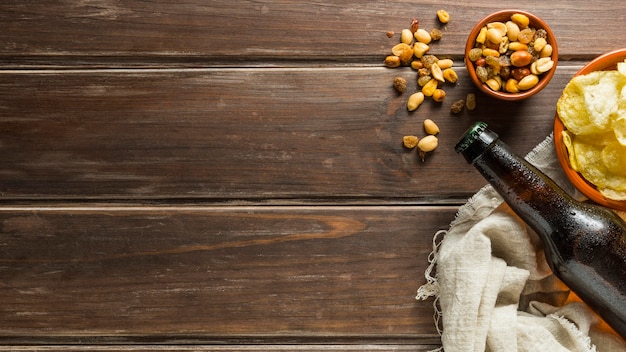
<point>493,288</point>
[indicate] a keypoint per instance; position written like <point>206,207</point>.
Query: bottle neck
<point>536,198</point>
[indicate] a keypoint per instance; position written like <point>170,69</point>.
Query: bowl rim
<point>536,22</point>
<point>606,61</point>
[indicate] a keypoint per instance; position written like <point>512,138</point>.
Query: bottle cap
<point>474,141</point>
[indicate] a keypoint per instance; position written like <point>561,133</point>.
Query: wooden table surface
<point>229,175</point>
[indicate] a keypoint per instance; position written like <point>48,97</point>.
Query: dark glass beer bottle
<point>585,244</point>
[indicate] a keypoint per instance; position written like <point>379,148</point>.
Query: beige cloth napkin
<point>493,288</point>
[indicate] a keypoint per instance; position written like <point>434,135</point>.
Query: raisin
<point>457,106</point>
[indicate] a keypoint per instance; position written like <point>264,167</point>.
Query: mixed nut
<point>511,56</point>
<point>432,72</point>
<point>426,144</point>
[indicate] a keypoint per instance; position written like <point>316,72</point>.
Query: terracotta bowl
<point>504,16</point>
<point>606,61</point>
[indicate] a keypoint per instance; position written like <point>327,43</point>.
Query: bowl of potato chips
<point>590,130</point>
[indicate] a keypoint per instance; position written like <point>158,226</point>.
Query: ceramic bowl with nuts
<point>511,54</point>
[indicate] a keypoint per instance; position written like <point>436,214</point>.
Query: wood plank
<point>144,32</point>
<point>216,272</point>
<point>229,348</point>
<point>243,134</point>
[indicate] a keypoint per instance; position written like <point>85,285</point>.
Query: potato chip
<point>571,110</point>
<point>603,166</point>
<point>593,110</point>
<point>589,162</point>
<point>619,124</point>
<point>614,158</point>
<point>602,98</point>
<point>621,67</point>
<point>619,128</point>
<point>569,145</point>
<point>590,102</point>
<point>613,194</point>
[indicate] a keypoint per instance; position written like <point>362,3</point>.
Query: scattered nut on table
<point>431,127</point>
<point>410,142</point>
<point>443,16</point>
<point>399,84</point>
<point>427,145</point>
<point>413,50</point>
<point>457,106</point>
<point>432,71</point>
<point>415,100</point>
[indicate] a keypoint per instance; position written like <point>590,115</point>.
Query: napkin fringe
<point>431,287</point>
<point>573,329</point>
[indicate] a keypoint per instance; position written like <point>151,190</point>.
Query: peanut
<point>426,145</point>
<point>445,63</point>
<point>497,25</point>
<point>436,72</point>
<point>542,65</point>
<point>412,51</point>
<point>406,36</point>
<point>547,51</point>
<point>415,100</point>
<point>431,127</point>
<point>493,84</point>
<point>512,30</point>
<point>504,45</point>
<point>494,35</point>
<point>422,36</point>
<point>521,58</point>
<point>528,82</point>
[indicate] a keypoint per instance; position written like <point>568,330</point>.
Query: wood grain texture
<point>229,176</point>
<point>229,348</point>
<point>216,271</point>
<point>251,134</point>
<point>135,32</point>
